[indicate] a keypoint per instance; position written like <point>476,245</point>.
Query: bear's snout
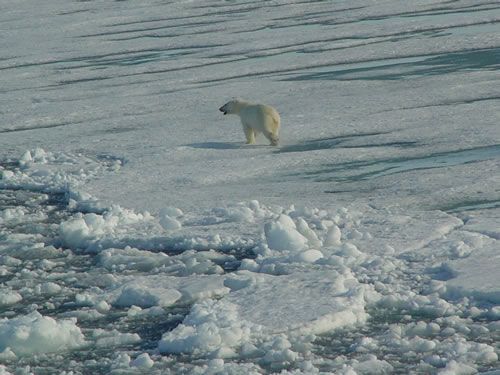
<point>223,110</point>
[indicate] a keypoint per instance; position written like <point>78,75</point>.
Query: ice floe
<point>138,234</point>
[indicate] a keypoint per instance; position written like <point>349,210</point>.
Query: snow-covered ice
<point>138,234</point>
<point>34,333</point>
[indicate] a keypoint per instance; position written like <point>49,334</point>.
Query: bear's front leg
<point>249,134</point>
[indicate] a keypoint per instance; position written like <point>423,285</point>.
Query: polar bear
<point>256,118</point>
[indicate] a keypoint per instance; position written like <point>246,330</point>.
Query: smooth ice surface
<point>138,233</point>
<point>477,275</point>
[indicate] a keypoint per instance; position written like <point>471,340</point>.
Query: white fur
<point>256,118</point>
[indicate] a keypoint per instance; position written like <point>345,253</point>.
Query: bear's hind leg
<point>272,137</point>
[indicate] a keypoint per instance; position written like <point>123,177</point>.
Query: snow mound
<point>34,333</point>
<point>83,230</point>
<point>210,328</point>
<point>170,223</point>
<point>282,235</point>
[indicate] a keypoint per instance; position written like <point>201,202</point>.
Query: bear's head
<point>231,107</point>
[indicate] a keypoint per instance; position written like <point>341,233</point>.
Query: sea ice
<point>34,333</point>
<point>283,235</point>
<point>367,242</point>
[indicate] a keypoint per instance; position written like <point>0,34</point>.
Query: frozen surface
<point>138,234</point>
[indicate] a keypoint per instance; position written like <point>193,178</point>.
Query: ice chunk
<point>333,236</point>
<point>48,289</point>
<point>131,258</point>
<point>278,351</point>
<point>107,339</point>
<point>146,296</point>
<point>25,159</point>
<point>81,230</point>
<point>283,235</point>
<point>7,355</point>
<point>308,233</point>
<point>374,366</point>
<point>34,333</point>
<point>309,256</point>
<point>170,223</point>
<point>75,232</point>
<point>209,327</point>
<point>171,211</point>
<point>6,175</point>
<point>9,297</point>
<point>3,370</point>
<point>102,307</point>
<point>143,361</point>
<point>457,368</point>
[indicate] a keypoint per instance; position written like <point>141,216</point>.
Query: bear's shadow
<point>222,145</point>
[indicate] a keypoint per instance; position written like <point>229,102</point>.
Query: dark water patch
<point>133,60</point>
<point>151,329</point>
<point>398,144</point>
<point>471,205</point>
<point>149,36</point>
<point>153,20</point>
<point>34,201</point>
<point>441,272</point>
<point>118,130</point>
<point>346,342</point>
<point>314,14</point>
<point>137,58</point>
<point>338,145</point>
<point>225,78</point>
<point>75,273</point>
<point>484,59</point>
<point>156,28</point>
<point>73,12</point>
<point>327,143</point>
<point>364,43</point>
<point>116,58</point>
<point>222,145</point>
<point>48,126</point>
<point>486,7</point>
<point>356,171</point>
<point>437,11</point>
<point>82,80</point>
<point>446,103</point>
<point>110,160</point>
<point>369,65</point>
<point>239,254</point>
<point>7,58</point>
<point>228,4</point>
